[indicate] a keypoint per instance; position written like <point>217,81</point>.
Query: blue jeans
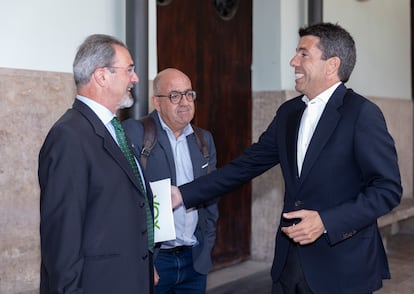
<point>177,275</point>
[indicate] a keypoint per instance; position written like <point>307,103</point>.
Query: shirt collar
<point>104,114</point>
<point>324,96</point>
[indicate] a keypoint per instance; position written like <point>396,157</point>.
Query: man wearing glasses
<point>94,229</point>
<point>183,263</point>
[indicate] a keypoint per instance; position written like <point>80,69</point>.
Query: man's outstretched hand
<point>176,199</point>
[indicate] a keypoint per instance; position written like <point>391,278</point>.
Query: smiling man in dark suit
<point>340,170</point>
<point>94,212</point>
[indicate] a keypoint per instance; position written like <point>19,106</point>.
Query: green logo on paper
<point>156,213</point>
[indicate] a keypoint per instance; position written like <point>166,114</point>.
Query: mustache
<point>184,108</point>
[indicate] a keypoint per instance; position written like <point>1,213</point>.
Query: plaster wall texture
<point>31,101</point>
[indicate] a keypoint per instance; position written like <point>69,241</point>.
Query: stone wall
<point>267,190</point>
<point>30,102</point>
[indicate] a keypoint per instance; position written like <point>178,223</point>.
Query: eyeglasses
<point>130,69</point>
<point>176,96</point>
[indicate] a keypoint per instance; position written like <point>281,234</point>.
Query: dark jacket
<point>93,222</point>
<point>160,165</point>
<point>350,175</point>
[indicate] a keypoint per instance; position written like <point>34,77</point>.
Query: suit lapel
<point>197,158</point>
<point>164,143</point>
<point>293,124</point>
<point>326,126</point>
<point>108,142</point>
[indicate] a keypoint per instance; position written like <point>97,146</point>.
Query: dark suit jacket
<point>350,175</point>
<point>93,222</point>
<point>160,165</point>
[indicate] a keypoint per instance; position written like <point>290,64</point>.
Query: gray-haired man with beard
<point>94,210</point>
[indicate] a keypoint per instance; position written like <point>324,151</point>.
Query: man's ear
<point>100,76</point>
<point>155,102</point>
<point>333,65</point>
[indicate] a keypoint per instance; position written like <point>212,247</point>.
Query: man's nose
<point>135,78</point>
<point>293,62</point>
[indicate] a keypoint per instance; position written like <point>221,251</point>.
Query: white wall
<point>381,29</point>
<point>275,26</point>
<point>266,51</point>
<point>152,39</point>
<point>44,35</point>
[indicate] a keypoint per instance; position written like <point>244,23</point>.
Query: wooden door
<point>211,41</point>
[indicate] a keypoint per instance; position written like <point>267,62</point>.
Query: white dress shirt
<point>309,121</point>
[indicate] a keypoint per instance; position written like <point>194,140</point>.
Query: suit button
<point>144,257</point>
<point>298,203</point>
<point>144,232</point>
<point>142,204</point>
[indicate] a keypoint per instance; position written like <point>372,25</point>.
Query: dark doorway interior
<point>211,41</point>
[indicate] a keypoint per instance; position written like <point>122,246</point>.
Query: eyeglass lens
<point>176,96</point>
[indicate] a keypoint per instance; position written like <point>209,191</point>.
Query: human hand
<point>307,230</point>
<point>176,198</point>
<point>156,277</point>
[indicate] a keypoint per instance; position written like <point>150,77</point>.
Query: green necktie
<point>123,144</point>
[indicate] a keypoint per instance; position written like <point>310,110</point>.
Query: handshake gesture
<point>306,231</point>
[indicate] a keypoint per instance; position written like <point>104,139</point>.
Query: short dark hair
<point>334,41</point>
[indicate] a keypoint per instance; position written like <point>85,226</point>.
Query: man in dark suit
<point>93,227</point>
<point>340,171</point>
<point>182,264</point>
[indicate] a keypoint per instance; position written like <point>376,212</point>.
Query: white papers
<point>164,228</point>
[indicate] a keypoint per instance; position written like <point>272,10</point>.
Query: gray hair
<point>96,51</point>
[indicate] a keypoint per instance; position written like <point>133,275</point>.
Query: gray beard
<point>127,102</point>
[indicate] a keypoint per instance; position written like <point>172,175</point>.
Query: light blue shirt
<point>185,220</point>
